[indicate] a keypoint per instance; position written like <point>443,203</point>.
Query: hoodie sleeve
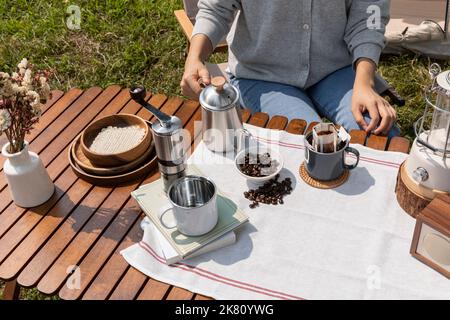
<point>366,24</point>
<point>214,18</point>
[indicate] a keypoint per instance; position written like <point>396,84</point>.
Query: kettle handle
<point>201,83</point>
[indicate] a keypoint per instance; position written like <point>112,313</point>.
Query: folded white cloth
<point>170,255</point>
<point>351,242</point>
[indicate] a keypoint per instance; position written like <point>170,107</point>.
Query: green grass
<point>126,42</point>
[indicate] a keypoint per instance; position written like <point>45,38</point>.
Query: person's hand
<point>382,114</point>
<point>195,72</point>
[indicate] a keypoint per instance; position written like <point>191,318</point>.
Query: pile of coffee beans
<point>272,192</point>
<point>258,165</point>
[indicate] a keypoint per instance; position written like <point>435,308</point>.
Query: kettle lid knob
<point>218,83</point>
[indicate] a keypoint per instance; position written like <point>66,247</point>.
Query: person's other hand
<point>382,114</point>
<point>195,72</point>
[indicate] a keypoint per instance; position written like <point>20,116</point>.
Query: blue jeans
<point>330,98</point>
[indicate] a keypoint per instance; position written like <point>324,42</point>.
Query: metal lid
<point>219,96</point>
<point>168,129</point>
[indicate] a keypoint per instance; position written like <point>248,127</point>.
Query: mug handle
<point>242,134</point>
<point>356,153</point>
<point>161,214</point>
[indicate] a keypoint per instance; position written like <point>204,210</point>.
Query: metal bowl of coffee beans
<point>258,164</point>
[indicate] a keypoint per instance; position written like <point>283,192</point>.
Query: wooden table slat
<point>179,294</point>
<point>201,297</point>
<point>129,286</point>
<point>277,123</point>
<point>154,290</point>
<point>55,95</point>
<point>246,114</point>
<point>296,126</point>
<point>377,142</point>
<point>11,290</point>
<point>399,144</point>
<point>53,112</point>
<point>358,136</point>
<point>113,270</point>
<point>53,217</point>
<point>259,119</point>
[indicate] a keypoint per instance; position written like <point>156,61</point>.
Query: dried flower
<point>22,66</point>
<point>5,120</point>
<point>21,95</point>
<point>27,78</point>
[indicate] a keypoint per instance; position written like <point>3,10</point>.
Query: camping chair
<point>420,27</point>
<point>186,19</point>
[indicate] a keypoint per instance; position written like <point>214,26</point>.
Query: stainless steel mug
<point>193,200</point>
<point>328,166</point>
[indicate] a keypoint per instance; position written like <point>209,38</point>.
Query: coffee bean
<point>258,165</point>
<point>272,192</point>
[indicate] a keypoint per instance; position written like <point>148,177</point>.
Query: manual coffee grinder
<point>426,171</point>
<point>168,137</point>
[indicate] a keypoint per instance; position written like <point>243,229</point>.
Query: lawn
<point>126,42</point>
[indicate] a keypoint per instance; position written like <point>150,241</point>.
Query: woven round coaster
<point>322,184</point>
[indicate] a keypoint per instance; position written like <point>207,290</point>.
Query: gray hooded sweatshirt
<point>295,42</point>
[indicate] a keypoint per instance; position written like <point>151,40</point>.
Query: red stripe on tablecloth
<point>215,277</point>
<point>302,147</point>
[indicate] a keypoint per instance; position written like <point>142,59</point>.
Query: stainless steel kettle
<point>222,128</point>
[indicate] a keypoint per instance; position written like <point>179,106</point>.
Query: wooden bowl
<point>87,166</point>
<point>115,159</point>
<point>139,173</point>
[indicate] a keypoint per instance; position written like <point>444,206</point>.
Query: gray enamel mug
<point>328,166</point>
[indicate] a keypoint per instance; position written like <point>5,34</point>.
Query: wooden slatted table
<point>84,226</point>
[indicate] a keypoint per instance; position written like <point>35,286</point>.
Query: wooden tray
<point>87,166</point>
<point>149,164</point>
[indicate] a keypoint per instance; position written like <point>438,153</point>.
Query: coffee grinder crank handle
<point>138,94</point>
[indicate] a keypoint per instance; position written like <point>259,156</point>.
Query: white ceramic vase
<point>28,180</point>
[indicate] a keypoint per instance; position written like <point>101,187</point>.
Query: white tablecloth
<point>348,243</point>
